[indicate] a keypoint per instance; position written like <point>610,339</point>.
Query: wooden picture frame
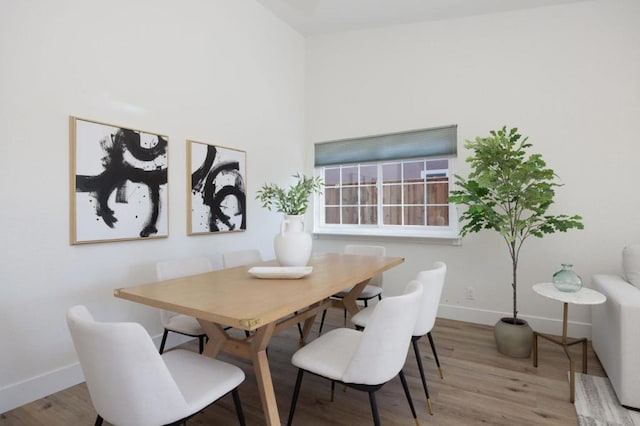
<point>216,177</point>
<point>118,183</point>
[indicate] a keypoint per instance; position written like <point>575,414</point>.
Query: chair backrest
<point>176,268</point>
<point>366,250</point>
<point>128,381</point>
<point>382,350</point>
<point>231,259</point>
<point>433,282</point>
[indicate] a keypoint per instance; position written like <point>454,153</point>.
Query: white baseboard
<point>543,325</point>
<point>18,394</point>
<point>21,393</point>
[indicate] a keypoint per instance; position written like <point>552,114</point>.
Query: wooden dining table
<point>234,298</point>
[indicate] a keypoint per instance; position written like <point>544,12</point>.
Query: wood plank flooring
<point>480,386</point>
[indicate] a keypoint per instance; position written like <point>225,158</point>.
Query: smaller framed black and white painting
<point>216,180</point>
<point>118,183</point>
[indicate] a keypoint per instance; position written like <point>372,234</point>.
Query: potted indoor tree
<point>292,245</point>
<point>510,192</point>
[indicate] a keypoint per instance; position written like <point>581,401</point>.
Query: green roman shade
<point>434,142</point>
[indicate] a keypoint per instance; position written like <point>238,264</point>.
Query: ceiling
<point>326,16</point>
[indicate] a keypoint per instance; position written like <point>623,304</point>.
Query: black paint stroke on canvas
<point>203,181</point>
<point>117,171</point>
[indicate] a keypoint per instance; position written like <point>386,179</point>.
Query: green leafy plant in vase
<point>292,245</point>
<point>291,201</point>
<point>509,191</point>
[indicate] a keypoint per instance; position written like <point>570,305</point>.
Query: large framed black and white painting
<point>216,179</point>
<point>118,183</point>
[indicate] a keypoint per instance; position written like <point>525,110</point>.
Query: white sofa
<point>616,328</point>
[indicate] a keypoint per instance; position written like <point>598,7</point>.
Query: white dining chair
<point>172,321</point>
<point>433,282</point>
<point>130,383</point>
<point>373,288</point>
<point>231,259</point>
<point>364,360</point>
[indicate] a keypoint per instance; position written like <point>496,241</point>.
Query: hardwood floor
<point>480,386</point>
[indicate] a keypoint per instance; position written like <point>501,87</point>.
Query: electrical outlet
<point>471,293</point>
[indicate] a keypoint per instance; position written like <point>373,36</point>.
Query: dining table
<point>236,298</point>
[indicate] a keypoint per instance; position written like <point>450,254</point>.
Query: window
<point>394,197</point>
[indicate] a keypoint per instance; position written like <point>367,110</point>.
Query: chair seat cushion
<point>369,292</point>
<point>185,324</point>
<point>201,379</point>
<point>362,317</point>
<point>330,354</point>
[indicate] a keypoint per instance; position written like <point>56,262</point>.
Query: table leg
<point>535,348</point>
<point>584,356</point>
<point>565,317</point>
<point>564,342</point>
<point>350,299</point>
<point>263,373</point>
<point>572,368</point>
<point>572,380</point>
<point>253,348</point>
<point>217,338</point>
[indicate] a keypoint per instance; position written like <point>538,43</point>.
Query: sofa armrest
<point>615,335</point>
<point>618,289</point>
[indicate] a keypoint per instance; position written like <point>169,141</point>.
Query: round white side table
<point>584,296</point>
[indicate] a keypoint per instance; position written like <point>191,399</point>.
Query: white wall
<point>567,76</point>
<point>224,72</point>
<point>228,72</point>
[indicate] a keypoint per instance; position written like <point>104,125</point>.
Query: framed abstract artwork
<point>118,183</point>
<point>216,178</point>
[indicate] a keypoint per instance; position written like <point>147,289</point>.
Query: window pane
<point>350,215</point>
<point>350,175</point>
<point>438,216</point>
<point>368,215</point>
<point>414,216</point>
<point>412,171</point>
<point>391,172</point>
<point>332,215</point>
<point>332,196</point>
<point>438,193</point>
<point>442,164</point>
<point>331,177</point>
<point>368,195</point>
<point>368,174</point>
<point>414,194</point>
<point>392,215</point>
<point>392,194</point>
<point>350,195</point>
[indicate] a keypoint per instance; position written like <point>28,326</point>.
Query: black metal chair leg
<point>294,400</point>
<point>435,354</point>
<point>408,395</point>
<point>416,349</point>
<point>164,340</point>
<point>324,314</point>
<point>201,343</point>
<point>299,327</point>
<point>98,421</point>
<point>374,408</point>
<point>238,405</point>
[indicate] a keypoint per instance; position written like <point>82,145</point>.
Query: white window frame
<point>450,232</point>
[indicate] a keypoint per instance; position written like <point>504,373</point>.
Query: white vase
<point>292,245</point>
